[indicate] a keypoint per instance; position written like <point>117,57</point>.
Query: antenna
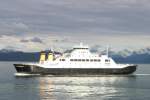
<point>52,50</point>
<point>81,44</point>
<point>107,51</point>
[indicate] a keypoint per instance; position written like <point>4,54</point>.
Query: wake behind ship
<point>79,61</point>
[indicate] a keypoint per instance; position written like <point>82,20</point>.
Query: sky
<point>34,25</point>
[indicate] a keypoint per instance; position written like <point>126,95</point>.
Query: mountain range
<point>124,56</point>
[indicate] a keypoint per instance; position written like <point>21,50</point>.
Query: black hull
<point>32,69</point>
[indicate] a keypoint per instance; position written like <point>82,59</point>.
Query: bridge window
<point>80,48</point>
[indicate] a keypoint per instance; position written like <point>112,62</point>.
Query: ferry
<point>78,61</point>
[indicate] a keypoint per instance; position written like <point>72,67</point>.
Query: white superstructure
<point>81,57</point>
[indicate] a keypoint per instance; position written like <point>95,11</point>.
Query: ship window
<point>91,60</point>
<point>83,59</point>
<point>71,60</point>
<point>107,60</point>
<point>95,60</point>
<point>62,59</point>
<point>99,60</point>
<point>79,59</point>
<point>87,59</point>
<point>75,60</point>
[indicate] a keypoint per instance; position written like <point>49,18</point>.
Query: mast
<point>107,52</point>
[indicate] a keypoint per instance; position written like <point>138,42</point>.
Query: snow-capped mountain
<point>132,56</point>
<point>122,56</point>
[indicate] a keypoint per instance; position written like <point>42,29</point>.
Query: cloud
<point>116,22</point>
<point>62,40</point>
<point>76,17</point>
<point>20,26</point>
<point>28,43</point>
<point>13,27</point>
<point>24,41</point>
<point>35,39</point>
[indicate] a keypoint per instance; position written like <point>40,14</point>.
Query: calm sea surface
<point>131,87</point>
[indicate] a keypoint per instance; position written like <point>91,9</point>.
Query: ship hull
<point>33,69</point>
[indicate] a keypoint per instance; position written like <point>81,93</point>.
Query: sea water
<point>122,87</point>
